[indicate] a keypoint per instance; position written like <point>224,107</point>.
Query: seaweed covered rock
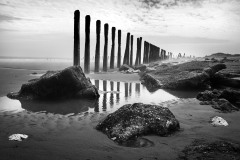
<point>190,75</point>
<point>67,83</point>
<point>133,120</point>
<point>203,150</point>
<point>224,100</point>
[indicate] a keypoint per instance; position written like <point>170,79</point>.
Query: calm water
<point>113,95</point>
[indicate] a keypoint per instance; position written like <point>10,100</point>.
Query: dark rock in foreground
<point>67,83</point>
<point>202,150</point>
<point>220,100</point>
<point>133,120</point>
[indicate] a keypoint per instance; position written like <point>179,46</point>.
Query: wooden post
<point>113,48</point>
<point>140,51</point>
<point>76,48</point>
<point>137,55</point>
<point>131,55</point>
<point>150,53</point>
<point>105,54</point>
<point>97,51</point>
<point>119,49</point>
<point>126,54</point>
<point>145,52</point>
<point>87,45</point>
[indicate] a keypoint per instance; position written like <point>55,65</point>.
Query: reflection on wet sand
<point>115,95</point>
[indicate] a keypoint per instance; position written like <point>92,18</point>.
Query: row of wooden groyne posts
<point>151,52</point>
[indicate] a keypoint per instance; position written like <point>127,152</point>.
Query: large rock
<point>150,82</point>
<point>138,119</point>
<point>182,76</point>
<point>70,82</point>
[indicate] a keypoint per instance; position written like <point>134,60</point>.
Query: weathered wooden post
<point>97,51</point>
<point>126,54</point>
<point>137,55</point>
<point>145,52</point>
<point>119,49</point>
<point>131,55</point>
<point>150,52</point>
<point>140,51</point>
<point>87,45</point>
<point>113,48</point>
<point>105,54</point>
<point>76,48</point>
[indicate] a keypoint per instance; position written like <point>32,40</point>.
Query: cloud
<point>8,18</point>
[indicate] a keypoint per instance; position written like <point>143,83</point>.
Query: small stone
<point>219,121</point>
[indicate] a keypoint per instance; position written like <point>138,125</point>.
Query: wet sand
<point>55,136</point>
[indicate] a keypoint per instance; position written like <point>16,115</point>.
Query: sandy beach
<point>73,135</point>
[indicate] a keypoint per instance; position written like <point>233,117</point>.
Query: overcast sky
<point>44,28</point>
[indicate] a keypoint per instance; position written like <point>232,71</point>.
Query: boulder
<point>67,83</point>
<point>150,82</point>
<point>133,120</point>
<point>125,67</point>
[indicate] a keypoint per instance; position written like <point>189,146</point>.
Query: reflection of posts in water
<point>130,89</point>
<point>104,102</point>
<point>119,49</point>
<point>96,106</point>
<point>104,85</point>
<point>97,84</point>
<point>104,95</point>
<point>97,51</point>
<point>131,53</point>
<point>126,54</point>
<point>137,89</point>
<point>126,91</point>
<point>76,52</point>
<point>87,45</point>
<point>111,95</point>
<point>105,54</point>
<point>113,48</point>
<point>118,94</point>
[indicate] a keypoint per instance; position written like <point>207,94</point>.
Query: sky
<point>44,28</point>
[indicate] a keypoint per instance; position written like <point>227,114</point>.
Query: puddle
<point>113,95</point>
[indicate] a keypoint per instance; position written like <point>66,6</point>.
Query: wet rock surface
<point>68,83</point>
<point>133,120</point>
<point>226,100</point>
<point>190,75</point>
<point>202,150</point>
